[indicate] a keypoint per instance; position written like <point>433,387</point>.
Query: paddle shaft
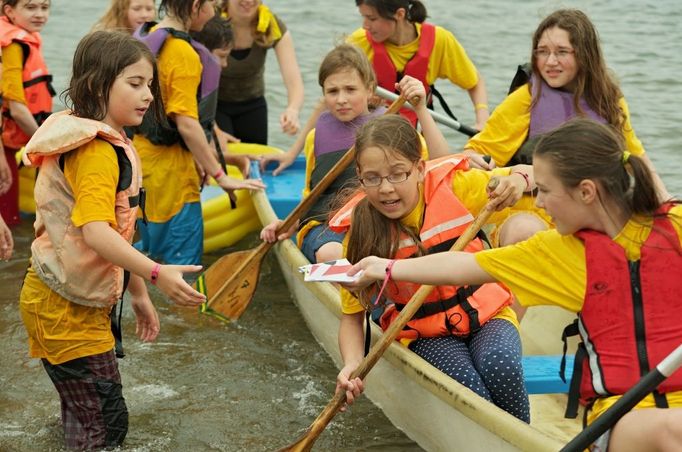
<point>387,338</point>
<point>301,208</point>
<point>632,397</point>
<point>438,117</point>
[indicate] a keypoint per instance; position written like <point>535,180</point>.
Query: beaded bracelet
<point>480,106</point>
<point>526,178</point>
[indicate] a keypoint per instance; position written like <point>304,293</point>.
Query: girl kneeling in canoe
<point>569,78</point>
<point>348,83</point>
<point>409,207</point>
<point>614,258</point>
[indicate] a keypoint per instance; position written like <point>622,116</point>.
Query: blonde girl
<point>126,15</point>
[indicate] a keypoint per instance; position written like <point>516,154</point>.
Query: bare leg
<point>652,429</point>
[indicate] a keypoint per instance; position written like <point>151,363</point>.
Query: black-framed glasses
<point>393,178</point>
<point>560,54</point>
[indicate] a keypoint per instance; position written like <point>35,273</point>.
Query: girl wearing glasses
<point>613,258</point>
<point>408,207</point>
<point>569,78</point>
<point>347,82</point>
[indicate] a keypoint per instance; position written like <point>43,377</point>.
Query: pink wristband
<point>155,273</point>
<point>219,174</point>
<point>389,267</point>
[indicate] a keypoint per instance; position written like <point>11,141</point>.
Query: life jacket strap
<point>460,298</point>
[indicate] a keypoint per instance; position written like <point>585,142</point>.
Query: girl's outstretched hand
<point>284,160</point>
<point>373,269</point>
<point>289,121</point>
<point>171,283</point>
<point>508,190</point>
<point>353,387</point>
<point>147,324</point>
<point>6,241</point>
<point>269,232</point>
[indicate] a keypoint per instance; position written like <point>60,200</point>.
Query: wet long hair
<point>99,59</point>
<point>585,149</point>
<point>594,81</point>
<point>180,9</point>
<point>415,11</point>
<point>371,233</point>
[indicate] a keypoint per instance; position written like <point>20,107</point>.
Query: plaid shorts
<point>94,413</point>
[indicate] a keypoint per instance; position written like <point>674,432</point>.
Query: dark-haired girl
<point>87,195</point>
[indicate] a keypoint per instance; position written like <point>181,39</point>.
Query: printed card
<point>332,271</point>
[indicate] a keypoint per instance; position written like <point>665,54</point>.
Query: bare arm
<point>449,268</point>
<point>479,98</point>
<point>291,75</point>
<point>414,91</point>
<point>23,117</point>
<point>351,345</point>
<point>195,139</point>
<point>99,236</point>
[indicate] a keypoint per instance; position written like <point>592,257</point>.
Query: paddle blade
<point>303,444</point>
<point>228,290</point>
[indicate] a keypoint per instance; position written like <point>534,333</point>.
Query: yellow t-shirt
<point>549,269</point>
<point>507,128</point>
<point>470,189</point>
<point>448,58</point>
<point>168,172</point>
<point>58,329</point>
<point>12,68</point>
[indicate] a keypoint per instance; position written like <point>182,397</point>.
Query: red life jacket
<point>37,82</point>
<point>448,309</point>
<point>630,319</point>
<point>417,67</point>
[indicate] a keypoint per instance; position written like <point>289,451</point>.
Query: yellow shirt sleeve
<point>631,141</point>
<point>179,75</point>
<point>309,152</point>
<point>506,129</point>
<point>92,172</point>
<point>448,58</point>
<point>12,68</point>
<point>547,269</point>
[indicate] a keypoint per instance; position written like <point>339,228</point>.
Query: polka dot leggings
<point>488,363</point>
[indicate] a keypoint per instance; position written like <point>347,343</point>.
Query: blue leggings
<point>488,363</point>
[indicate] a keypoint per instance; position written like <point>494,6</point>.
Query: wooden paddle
<point>231,281</point>
<point>305,442</point>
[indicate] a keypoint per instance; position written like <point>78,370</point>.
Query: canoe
<point>223,226</point>
<point>433,410</point>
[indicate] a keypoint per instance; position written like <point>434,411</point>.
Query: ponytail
<point>415,10</point>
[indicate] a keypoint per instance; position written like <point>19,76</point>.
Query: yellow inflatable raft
<point>223,226</point>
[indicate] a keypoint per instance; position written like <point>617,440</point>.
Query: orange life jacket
<point>61,258</point>
<point>447,310</point>
<point>37,82</point>
<point>417,67</point>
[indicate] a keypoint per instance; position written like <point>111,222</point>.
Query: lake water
<point>255,384</point>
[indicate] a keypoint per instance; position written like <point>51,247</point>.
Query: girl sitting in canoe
<point>568,78</point>
<point>87,193</point>
<point>188,75</point>
<point>348,83</point>
<point>126,15</point>
<point>614,258</point>
<point>409,207</point>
